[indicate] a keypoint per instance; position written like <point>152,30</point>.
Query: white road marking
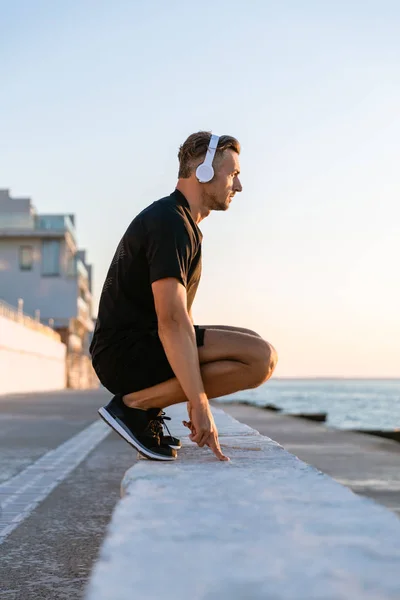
<point>22,493</point>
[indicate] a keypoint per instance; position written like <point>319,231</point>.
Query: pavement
<point>368,465</point>
<point>50,554</point>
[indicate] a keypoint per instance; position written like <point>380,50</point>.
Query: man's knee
<point>249,332</point>
<point>265,359</point>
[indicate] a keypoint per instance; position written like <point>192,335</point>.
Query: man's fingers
<point>203,438</point>
<point>213,443</point>
<point>200,437</point>
<point>196,437</point>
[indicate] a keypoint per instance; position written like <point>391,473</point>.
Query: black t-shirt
<point>162,241</point>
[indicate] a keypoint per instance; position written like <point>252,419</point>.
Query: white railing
<point>16,314</point>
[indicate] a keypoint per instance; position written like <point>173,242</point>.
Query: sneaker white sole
<point>105,415</point>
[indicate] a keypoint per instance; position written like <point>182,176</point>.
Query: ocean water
<point>349,403</point>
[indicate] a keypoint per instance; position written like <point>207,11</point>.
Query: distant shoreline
<point>327,378</point>
<point>349,403</point>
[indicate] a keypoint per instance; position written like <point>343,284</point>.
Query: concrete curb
<point>266,525</point>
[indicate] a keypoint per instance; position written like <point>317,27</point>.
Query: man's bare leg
<point>232,328</point>
<point>230,361</point>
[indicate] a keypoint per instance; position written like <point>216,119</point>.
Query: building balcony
<point>36,226</point>
<point>76,268</point>
<point>84,314</point>
<point>56,223</point>
<point>17,221</point>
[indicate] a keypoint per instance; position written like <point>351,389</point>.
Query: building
<point>43,271</point>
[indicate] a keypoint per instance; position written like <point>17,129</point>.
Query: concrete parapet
<point>31,359</point>
<point>263,526</point>
<point>13,314</point>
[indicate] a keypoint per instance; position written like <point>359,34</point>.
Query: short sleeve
<point>167,246</point>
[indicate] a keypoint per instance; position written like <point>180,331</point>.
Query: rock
<point>319,417</point>
<point>272,407</point>
<point>391,435</point>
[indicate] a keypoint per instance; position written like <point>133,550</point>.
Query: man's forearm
<point>179,341</point>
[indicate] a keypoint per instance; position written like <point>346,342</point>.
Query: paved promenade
<point>50,551</point>
<point>50,554</point>
<point>368,465</point>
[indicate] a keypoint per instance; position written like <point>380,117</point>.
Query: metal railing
<point>17,315</point>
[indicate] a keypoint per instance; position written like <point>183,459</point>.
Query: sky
<point>96,97</point>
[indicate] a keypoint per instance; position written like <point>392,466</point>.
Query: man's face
<point>218,193</point>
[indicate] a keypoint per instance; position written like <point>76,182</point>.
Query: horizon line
<point>338,377</point>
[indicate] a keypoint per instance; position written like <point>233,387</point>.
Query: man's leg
<point>232,328</point>
<point>230,361</point>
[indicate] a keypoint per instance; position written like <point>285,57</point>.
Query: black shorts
<point>142,365</point>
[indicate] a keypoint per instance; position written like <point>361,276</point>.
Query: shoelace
<point>159,422</point>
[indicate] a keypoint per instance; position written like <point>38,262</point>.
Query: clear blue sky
<point>96,97</point>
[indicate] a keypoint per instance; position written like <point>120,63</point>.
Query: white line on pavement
<point>22,493</point>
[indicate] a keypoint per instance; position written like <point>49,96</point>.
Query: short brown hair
<point>195,148</point>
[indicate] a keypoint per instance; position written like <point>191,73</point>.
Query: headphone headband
<point>211,150</point>
<point>205,171</point>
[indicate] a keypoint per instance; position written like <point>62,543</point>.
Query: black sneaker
<point>138,428</point>
<point>166,440</point>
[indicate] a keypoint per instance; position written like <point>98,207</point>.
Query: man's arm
<point>178,338</point>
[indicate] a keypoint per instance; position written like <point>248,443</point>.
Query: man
<point>145,348</point>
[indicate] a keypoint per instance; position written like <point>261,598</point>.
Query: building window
<point>50,257</point>
<point>26,258</point>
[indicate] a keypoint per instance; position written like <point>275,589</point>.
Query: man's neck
<point>193,196</point>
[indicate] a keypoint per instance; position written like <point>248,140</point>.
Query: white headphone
<point>205,171</point>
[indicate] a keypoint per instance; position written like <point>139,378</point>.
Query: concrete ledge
<point>263,526</point>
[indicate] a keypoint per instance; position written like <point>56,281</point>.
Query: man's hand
<point>203,429</point>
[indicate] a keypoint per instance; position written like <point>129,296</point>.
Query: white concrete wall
<point>29,360</point>
<point>263,526</point>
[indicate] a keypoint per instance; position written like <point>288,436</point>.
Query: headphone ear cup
<point>204,173</point>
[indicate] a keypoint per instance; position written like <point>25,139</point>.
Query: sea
<point>349,403</point>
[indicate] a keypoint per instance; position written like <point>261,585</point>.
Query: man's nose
<point>238,185</point>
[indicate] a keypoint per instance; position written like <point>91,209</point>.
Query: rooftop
<point>19,217</point>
